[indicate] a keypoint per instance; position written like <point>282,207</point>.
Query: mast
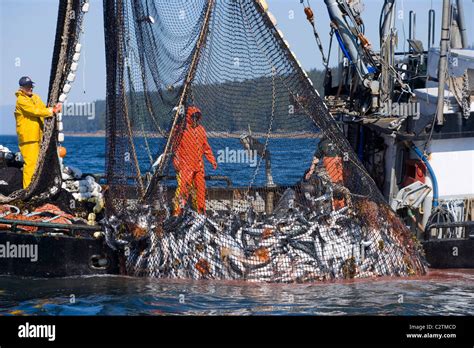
<point>443,60</point>
<point>462,23</point>
<point>387,48</point>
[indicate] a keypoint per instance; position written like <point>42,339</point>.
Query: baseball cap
<point>26,81</point>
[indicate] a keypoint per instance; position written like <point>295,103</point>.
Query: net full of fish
<point>305,238</point>
<point>296,245</point>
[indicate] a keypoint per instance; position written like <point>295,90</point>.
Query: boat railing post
<point>431,27</point>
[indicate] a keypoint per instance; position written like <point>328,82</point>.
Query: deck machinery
<point>408,115</point>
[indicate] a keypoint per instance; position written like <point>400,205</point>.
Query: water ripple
<point>441,293</point>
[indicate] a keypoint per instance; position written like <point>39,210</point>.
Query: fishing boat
<point>54,250</point>
<point>41,231</point>
<point>325,220</point>
<point>408,115</point>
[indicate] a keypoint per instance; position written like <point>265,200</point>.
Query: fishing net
<point>222,160</point>
<point>46,181</point>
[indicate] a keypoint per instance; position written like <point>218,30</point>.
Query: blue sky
<point>27,30</point>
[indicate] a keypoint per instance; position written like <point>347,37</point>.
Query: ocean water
<point>289,158</point>
<point>448,292</point>
<point>85,153</point>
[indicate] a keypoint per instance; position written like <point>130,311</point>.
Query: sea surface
<point>289,158</point>
<point>448,292</point>
<point>85,153</point>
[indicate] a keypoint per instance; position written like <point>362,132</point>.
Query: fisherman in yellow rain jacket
<point>29,113</point>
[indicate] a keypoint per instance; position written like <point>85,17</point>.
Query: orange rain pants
<point>194,183</point>
<point>188,162</point>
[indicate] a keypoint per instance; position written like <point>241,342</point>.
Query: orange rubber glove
<point>57,108</point>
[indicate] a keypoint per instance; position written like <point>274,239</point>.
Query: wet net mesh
<point>222,160</point>
<point>46,181</point>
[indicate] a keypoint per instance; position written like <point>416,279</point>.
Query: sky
<point>27,31</point>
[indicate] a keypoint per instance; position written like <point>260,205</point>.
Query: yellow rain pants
<point>30,152</point>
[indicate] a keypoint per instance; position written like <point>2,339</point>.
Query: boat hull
<point>449,253</point>
<point>56,256</point>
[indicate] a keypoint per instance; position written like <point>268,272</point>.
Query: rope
<point>192,68</point>
<point>46,180</point>
<point>127,119</point>
<point>267,136</point>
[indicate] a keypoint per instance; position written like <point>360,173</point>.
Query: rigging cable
<point>402,18</point>
<point>310,17</point>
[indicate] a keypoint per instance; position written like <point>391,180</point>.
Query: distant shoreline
<point>101,134</point>
<point>218,135</point>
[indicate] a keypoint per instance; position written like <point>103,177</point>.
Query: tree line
<point>234,106</point>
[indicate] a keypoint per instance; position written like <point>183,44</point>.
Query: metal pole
<point>347,37</point>
<point>388,22</point>
<point>443,60</point>
<point>431,27</point>
<point>387,49</point>
<point>462,23</point>
<point>412,25</point>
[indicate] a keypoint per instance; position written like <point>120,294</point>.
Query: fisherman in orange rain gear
<point>30,113</point>
<point>188,162</point>
<point>334,167</point>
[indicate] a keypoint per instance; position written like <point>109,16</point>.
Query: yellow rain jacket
<point>29,114</point>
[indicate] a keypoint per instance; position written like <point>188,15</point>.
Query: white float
<point>71,77</point>
<point>62,98</point>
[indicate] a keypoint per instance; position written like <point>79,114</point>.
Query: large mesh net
<point>222,160</point>
<point>46,181</point>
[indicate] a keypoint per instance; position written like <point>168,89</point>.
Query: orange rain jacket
<point>192,146</point>
<point>188,161</point>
